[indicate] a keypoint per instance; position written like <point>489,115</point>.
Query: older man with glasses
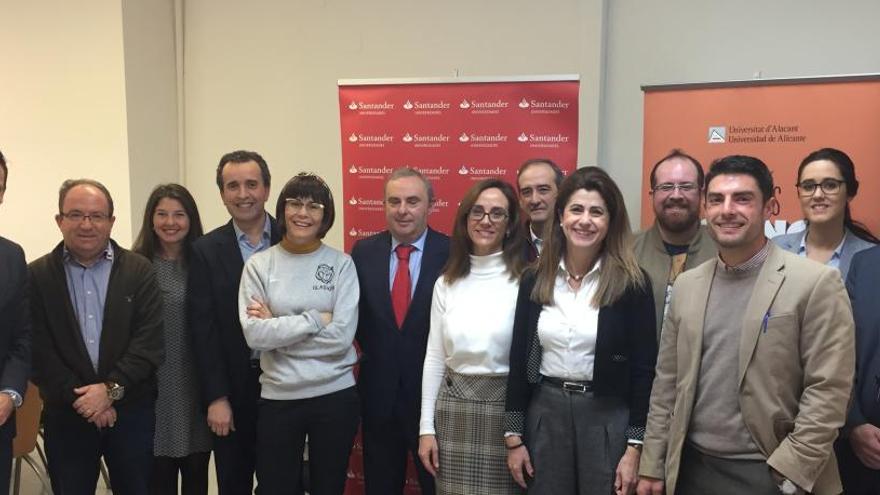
<point>98,339</point>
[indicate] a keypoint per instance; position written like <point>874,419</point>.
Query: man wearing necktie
<point>397,269</point>
<point>537,182</point>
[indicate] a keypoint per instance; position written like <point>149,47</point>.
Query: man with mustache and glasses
<point>537,182</point>
<point>676,242</point>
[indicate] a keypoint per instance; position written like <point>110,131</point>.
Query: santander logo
<point>523,103</point>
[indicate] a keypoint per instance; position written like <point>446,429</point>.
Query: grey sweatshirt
<point>300,356</point>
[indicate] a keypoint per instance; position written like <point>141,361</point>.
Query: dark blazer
<point>626,353</point>
<point>15,325</point>
<point>132,339</point>
<point>863,285</point>
<point>392,360</point>
<point>222,355</point>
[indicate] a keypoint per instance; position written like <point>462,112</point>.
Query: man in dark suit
<point>858,450</point>
<point>15,338</point>
<point>397,269</point>
<point>229,370</point>
<point>98,340</point>
<point>538,183</point>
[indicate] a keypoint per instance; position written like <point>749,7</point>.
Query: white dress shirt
<point>567,329</point>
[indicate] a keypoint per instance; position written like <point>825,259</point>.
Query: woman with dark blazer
<point>583,351</point>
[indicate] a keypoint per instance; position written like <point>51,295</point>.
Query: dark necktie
<point>401,291</point>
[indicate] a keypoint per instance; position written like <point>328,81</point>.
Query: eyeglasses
<point>829,186</point>
<point>80,217</point>
<point>298,204</point>
<point>496,215</point>
<point>668,187</point>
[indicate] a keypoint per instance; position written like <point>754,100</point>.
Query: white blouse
<point>567,330</point>
<point>471,328</point>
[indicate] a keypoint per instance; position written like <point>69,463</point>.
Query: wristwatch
<point>114,390</point>
<point>787,487</point>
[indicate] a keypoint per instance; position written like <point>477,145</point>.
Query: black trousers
<point>74,447</point>
<point>857,478</point>
<point>5,460</point>
<point>387,444</point>
<point>193,470</point>
<point>330,422</point>
<point>235,455</point>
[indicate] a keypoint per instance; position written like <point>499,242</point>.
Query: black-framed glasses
<point>80,217</point>
<point>478,213</point>
<point>668,187</point>
<point>829,186</point>
<point>310,206</point>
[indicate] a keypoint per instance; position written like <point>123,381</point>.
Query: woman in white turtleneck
<point>466,362</point>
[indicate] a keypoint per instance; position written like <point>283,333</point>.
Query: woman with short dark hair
<point>298,304</point>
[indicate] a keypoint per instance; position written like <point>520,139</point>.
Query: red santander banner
<point>455,133</point>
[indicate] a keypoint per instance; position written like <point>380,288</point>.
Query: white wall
<point>688,41</point>
<point>62,112</point>
<point>263,75</point>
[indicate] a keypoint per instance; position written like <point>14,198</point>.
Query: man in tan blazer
<point>756,359</point>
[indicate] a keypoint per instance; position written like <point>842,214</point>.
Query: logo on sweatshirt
<point>324,273</point>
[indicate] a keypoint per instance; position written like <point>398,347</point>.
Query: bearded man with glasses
<point>676,242</point>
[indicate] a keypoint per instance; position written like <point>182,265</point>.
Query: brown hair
<point>513,247</point>
<point>619,270</point>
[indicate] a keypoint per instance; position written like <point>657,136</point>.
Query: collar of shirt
<point>415,261</point>
<point>107,254</point>
<point>536,241</point>
<point>835,256</point>
<point>564,275</point>
<point>754,262</point>
<point>243,238</point>
<point>419,243</point>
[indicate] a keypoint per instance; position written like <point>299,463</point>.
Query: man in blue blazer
<point>15,339</point>
<point>229,370</point>
<point>859,448</point>
<point>393,334</point>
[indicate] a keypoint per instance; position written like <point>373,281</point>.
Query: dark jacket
<point>863,284</point>
<point>392,360</point>
<point>222,355</point>
<point>626,353</point>
<point>15,323</point>
<point>132,341</point>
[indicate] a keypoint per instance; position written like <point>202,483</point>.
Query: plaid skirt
<point>469,421</point>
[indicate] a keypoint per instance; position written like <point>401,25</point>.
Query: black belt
<point>569,385</point>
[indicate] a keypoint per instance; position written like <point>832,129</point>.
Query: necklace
<point>576,278</point>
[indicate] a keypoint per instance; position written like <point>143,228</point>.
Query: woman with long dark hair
<point>583,351</point>
<point>826,184</point>
<point>466,363</point>
<point>182,442</point>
